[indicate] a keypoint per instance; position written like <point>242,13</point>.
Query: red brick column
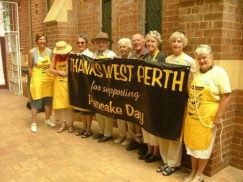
<point>237,142</point>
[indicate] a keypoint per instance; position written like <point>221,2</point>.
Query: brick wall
<point>24,28</point>
<point>237,142</point>
<point>127,19</point>
<point>122,14</point>
<point>170,23</point>
<point>221,154</point>
<point>231,43</point>
<point>213,22</point>
<point>89,19</point>
<point>218,24</point>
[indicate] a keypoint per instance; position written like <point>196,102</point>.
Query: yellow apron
<point>101,56</point>
<point>61,92</point>
<point>201,110</point>
<point>41,84</point>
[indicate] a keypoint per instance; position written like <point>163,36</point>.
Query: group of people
<point>208,94</point>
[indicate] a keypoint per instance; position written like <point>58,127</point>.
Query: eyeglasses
<point>101,41</point>
<point>80,42</point>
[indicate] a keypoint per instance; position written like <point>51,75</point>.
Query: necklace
<point>153,56</point>
<point>205,71</point>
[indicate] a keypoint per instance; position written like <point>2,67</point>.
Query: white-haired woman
<point>171,151</point>
<point>209,93</point>
<point>125,138</point>
<point>153,40</point>
<point>125,47</point>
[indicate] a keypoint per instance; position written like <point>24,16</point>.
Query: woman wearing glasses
<point>86,116</point>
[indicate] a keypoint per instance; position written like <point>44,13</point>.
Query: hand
<point>62,73</point>
<point>193,70</point>
<point>217,121</point>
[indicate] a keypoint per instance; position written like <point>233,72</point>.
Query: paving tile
<point>48,156</point>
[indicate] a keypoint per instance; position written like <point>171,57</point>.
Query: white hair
<point>203,49</point>
<point>127,41</point>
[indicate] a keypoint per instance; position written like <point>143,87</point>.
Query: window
<point>106,17</point>
<point>153,10</point>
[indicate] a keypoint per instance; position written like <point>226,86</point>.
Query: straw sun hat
<point>101,35</point>
<point>62,48</point>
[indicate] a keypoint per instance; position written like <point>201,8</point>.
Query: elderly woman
<point>86,116</point>
<point>125,138</point>
<point>171,151</point>
<point>153,40</point>
<point>209,93</point>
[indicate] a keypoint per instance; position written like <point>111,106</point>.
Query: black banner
<point>150,94</point>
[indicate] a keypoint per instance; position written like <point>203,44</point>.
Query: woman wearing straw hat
<point>41,81</point>
<point>59,68</point>
<point>102,42</point>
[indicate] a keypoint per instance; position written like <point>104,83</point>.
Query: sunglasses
<point>80,42</point>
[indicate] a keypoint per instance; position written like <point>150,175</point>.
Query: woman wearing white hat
<point>59,67</point>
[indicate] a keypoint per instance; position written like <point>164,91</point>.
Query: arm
<point>53,70</point>
<point>30,62</point>
<point>222,105</point>
<point>190,79</point>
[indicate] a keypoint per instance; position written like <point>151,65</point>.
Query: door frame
<point>4,61</point>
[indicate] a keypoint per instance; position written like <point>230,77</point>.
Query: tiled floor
<point>49,156</point>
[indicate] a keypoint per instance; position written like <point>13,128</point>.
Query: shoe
<point>189,178</point>
<point>169,170</point>
<point>104,139</point>
<point>60,130</point>
<point>161,168</point>
<point>98,136</point>
<point>48,122</point>
<point>33,127</point>
<point>143,149</point>
<point>119,140</point>
<point>87,134</point>
<point>71,129</point>
<point>197,179</point>
<point>126,142</point>
<point>133,146</point>
<point>144,157</point>
<point>80,133</point>
<point>152,158</point>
